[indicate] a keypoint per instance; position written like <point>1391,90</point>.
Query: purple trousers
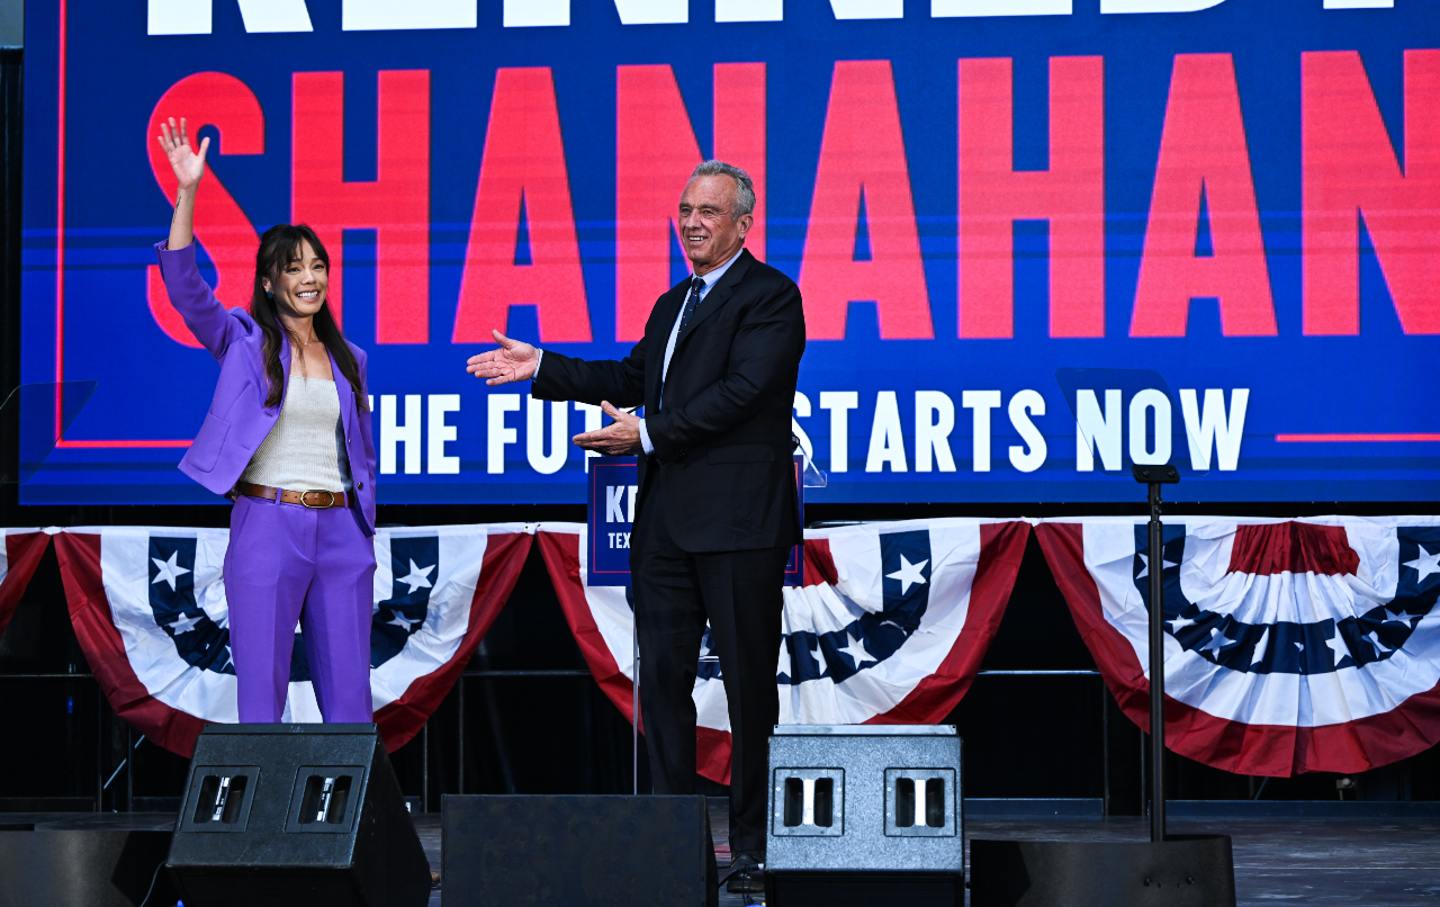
<point>287,562</point>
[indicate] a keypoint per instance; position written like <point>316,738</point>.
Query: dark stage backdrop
<point>1037,239</point>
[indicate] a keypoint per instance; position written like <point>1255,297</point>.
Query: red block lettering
<point>1070,195</point>
<point>222,101</point>
<point>396,204</point>
<point>524,162</point>
<point>1350,170</point>
<point>656,149</point>
<point>863,151</point>
<point>1203,153</point>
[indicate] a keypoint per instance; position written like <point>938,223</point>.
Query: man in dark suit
<point>716,511</point>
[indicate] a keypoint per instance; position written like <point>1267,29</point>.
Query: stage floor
<point>1375,862</point>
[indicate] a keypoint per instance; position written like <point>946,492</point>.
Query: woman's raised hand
<point>189,165</point>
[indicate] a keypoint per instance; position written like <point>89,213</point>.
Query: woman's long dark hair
<point>279,246</point>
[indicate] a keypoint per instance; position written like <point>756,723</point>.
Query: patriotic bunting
<point>148,607</point>
<point>889,627</point>
<point>20,553</point>
<point>1291,645</point>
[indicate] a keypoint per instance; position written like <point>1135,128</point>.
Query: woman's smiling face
<point>300,287</point>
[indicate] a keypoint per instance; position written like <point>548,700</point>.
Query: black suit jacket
<point>722,469</point>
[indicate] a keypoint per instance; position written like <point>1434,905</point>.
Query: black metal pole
<point>1157,670</point>
<point>634,703</point>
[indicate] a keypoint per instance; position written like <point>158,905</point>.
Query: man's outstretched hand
<point>616,439</point>
<point>515,360</point>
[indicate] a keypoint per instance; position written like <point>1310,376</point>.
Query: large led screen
<point>1038,240</point>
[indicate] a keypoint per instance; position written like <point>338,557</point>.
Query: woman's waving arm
<point>189,166</point>
<point>189,294</point>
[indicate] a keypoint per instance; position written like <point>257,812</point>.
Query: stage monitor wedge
<point>1181,871</point>
<point>865,814</point>
<point>295,814</point>
<point>66,862</point>
<point>575,851</point>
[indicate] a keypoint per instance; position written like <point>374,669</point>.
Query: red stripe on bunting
<point>23,551</point>
<point>712,753</point>
<point>79,557</point>
<point>1002,547</point>
<point>1267,548</point>
<point>1279,751</point>
<point>402,719</point>
<point>819,563</point>
<point>561,552</point>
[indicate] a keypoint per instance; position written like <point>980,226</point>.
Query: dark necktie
<point>692,302</point>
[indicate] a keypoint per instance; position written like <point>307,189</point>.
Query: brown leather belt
<point>315,500</point>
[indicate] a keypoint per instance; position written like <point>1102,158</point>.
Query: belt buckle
<point>305,499</point>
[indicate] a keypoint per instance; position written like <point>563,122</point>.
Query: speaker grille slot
<point>904,803</point>
<point>326,799</point>
<point>221,797</point>
<point>824,802</point>
<point>808,802</point>
<point>935,800</point>
<point>921,802</point>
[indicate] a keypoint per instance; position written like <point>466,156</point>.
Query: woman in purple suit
<point>287,436</point>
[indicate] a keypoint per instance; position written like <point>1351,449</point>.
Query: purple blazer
<point>238,419</point>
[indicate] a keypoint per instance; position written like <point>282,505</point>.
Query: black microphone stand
<point>1178,871</point>
<point>1154,477</point>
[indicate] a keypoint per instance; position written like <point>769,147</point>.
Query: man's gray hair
<point>744,186</point>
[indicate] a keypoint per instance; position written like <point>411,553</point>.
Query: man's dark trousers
<point>739,592</point>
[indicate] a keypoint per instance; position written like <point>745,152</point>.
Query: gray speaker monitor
<point>865,814</point>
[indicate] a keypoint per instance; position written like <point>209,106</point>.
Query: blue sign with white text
<point>613,493</point>
<point>1037,240</point>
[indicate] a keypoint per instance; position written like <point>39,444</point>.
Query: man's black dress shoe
<point>746,875</point>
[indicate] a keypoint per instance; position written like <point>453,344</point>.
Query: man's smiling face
<point>708,225</point>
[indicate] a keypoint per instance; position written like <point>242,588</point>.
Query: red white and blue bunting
<point>889,627</point>
<point>1291,646</point>
<point>148,607</point>
<point>20,553</point>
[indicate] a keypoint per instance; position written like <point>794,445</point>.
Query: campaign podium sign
<point>613,489</point>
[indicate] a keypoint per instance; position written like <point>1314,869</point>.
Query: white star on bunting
<point>1145,569</point>
<point>399,620</point>
<point>909,574</point>
<point>1218,641</point>
<point>856,651</point>
<point>1425,564</point>
<point>1380,644</point>
<point>1396,616</point>
<point>1261,648</point>
<point>169,570</point>
<point>184,624</point>
<point>1181,623</point>
<point>1336,644</point>
<point>418,578</point>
